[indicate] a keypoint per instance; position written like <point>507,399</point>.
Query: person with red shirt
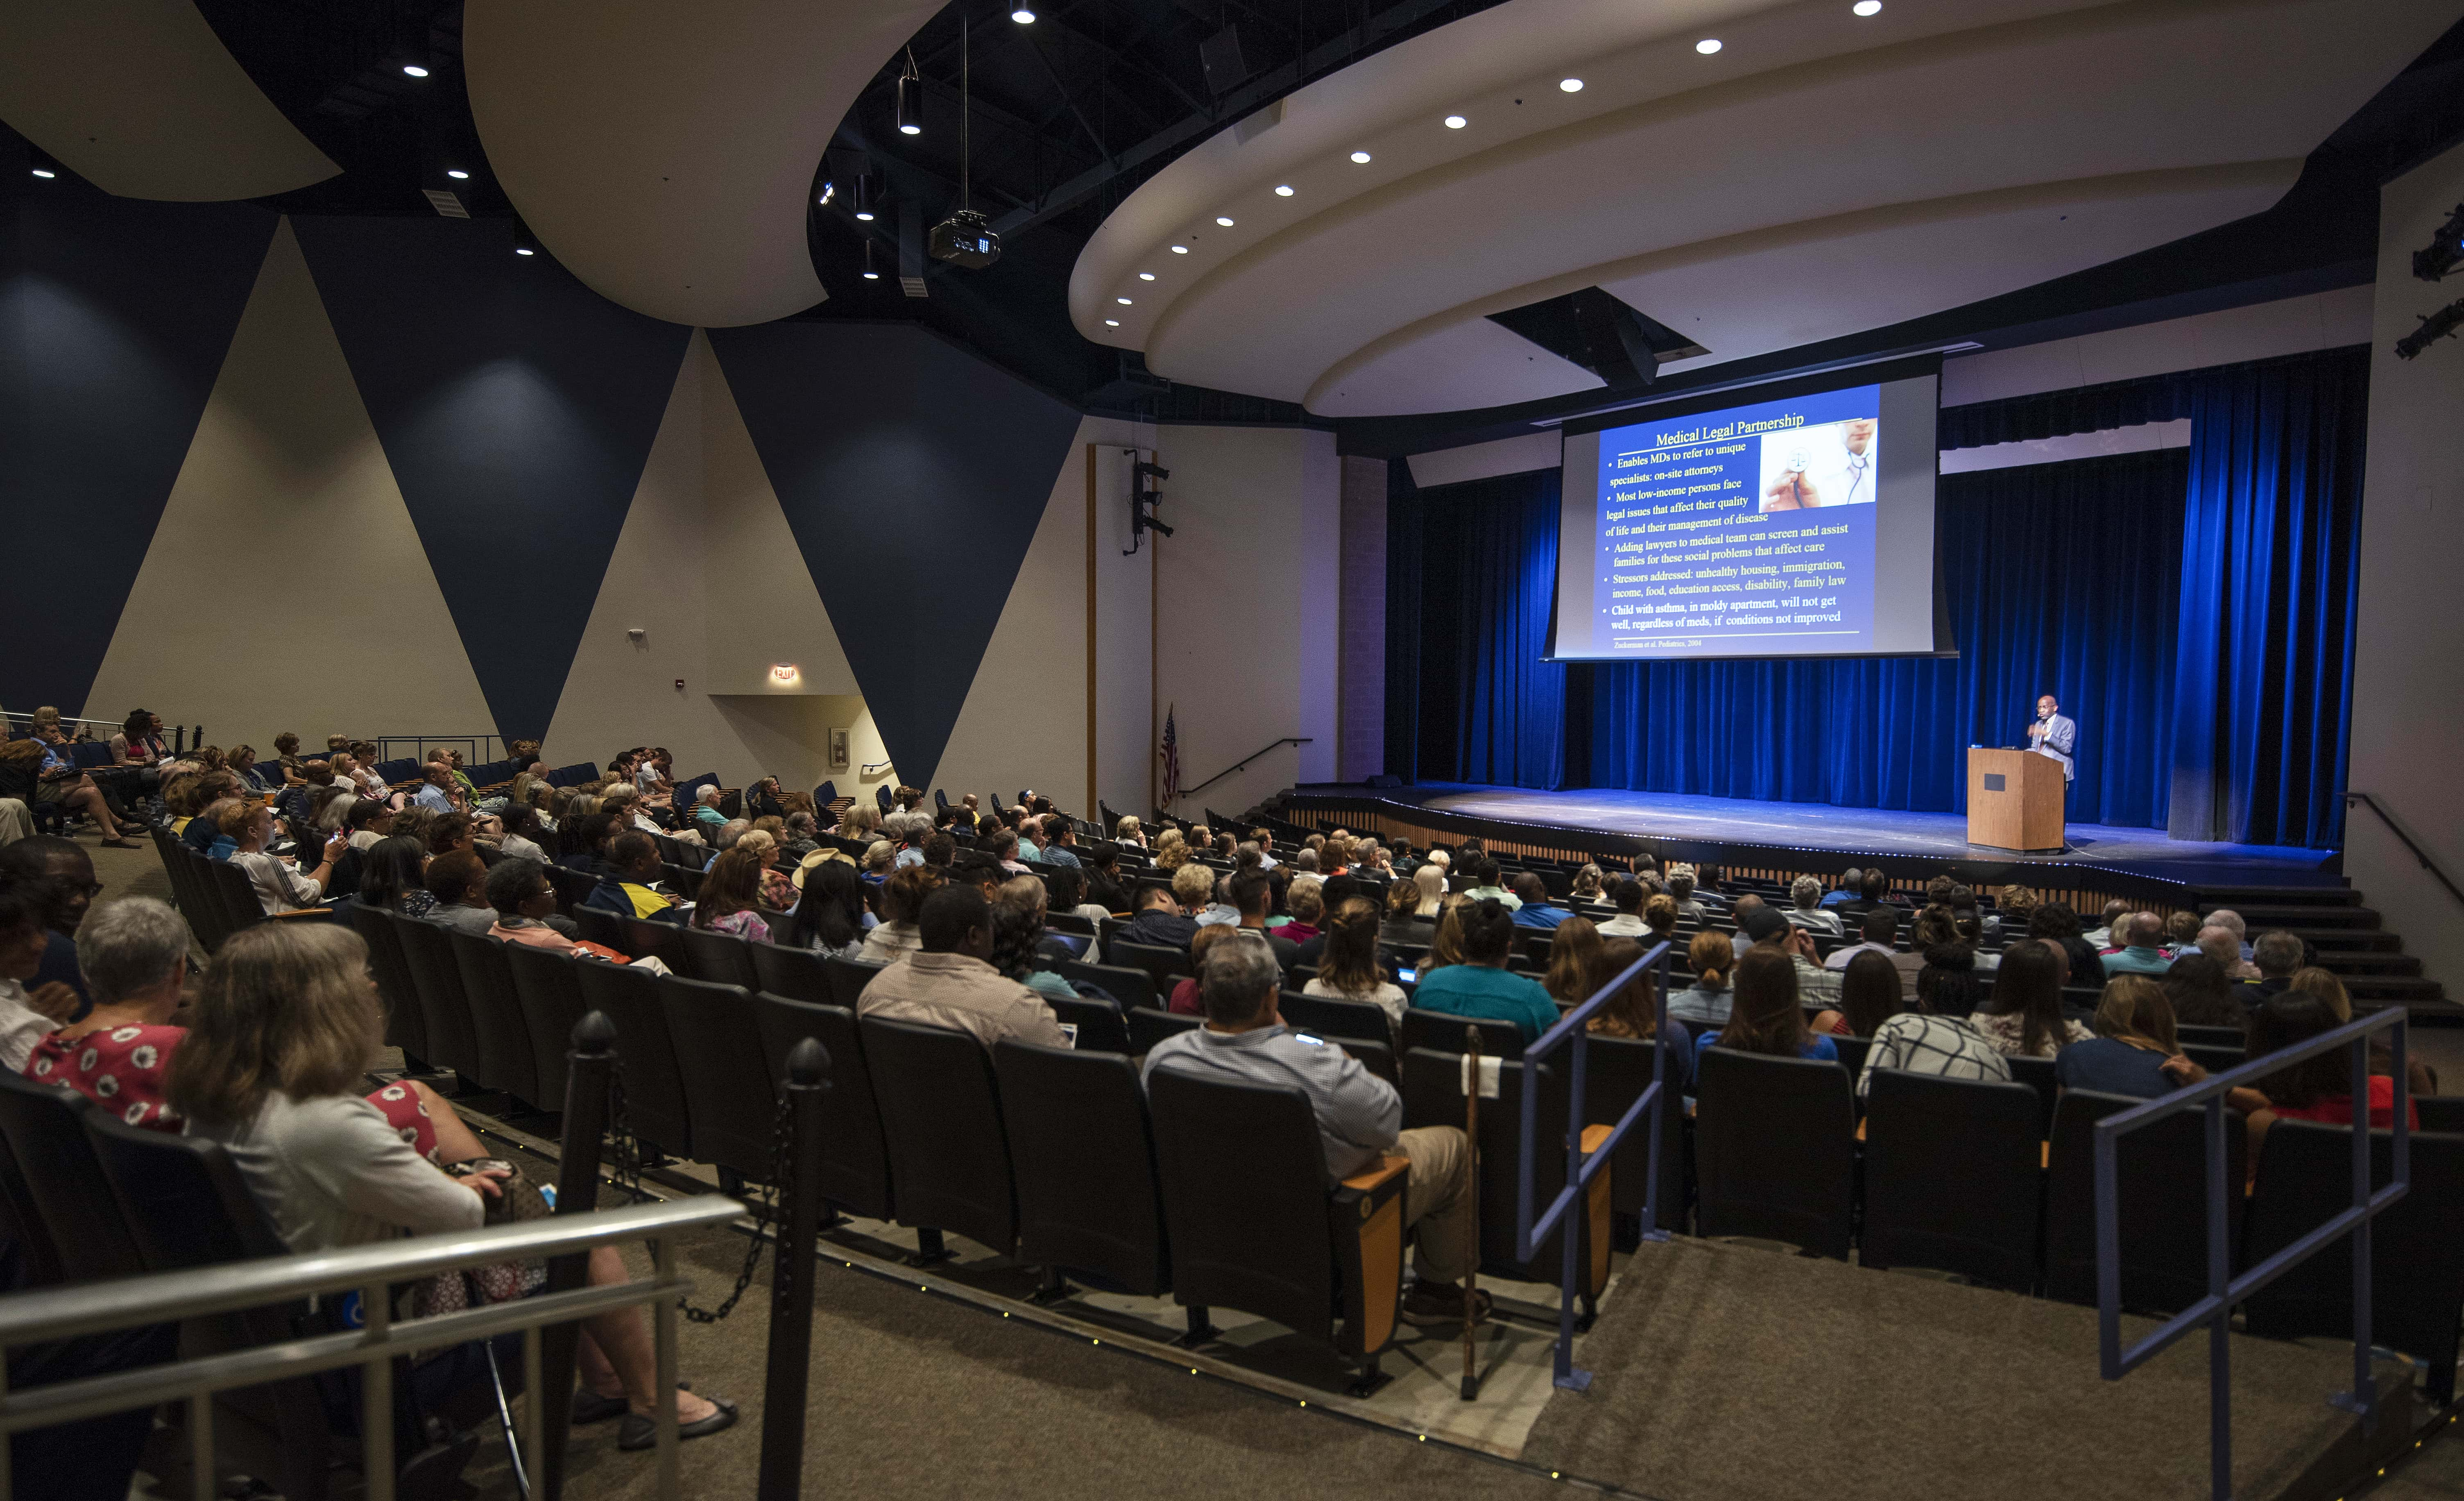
<point>2318,1088</point>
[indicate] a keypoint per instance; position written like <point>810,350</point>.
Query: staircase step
<point>2330,940</point>
<point>2259,919</point>
<point>2210,898</point>
<point>2405,989</point>
<point>2369,962</point>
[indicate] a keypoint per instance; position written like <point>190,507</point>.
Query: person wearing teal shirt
<point>1481,985</point>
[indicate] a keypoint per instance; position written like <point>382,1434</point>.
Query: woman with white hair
<point>1806,910</point>
<point>706,808</point>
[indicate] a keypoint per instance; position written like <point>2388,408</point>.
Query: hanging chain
<point>766,1200</point>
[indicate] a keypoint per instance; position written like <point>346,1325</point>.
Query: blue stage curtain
<point>2272,540</point>
<point>1490,710</point>
<point>2059,578</point>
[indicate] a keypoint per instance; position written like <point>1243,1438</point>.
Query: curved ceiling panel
<point>140,98</point>
<point>1923,116</point>
<point>1767,290</point>
<point>663,152</point>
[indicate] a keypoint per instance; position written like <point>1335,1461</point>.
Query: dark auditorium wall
<point>384,477</point>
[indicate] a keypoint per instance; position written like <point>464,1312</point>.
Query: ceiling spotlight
<point>911,100</point>
<point>1867,7</point>
<point>1181,250</point>
<point>865,215</point>
<point>45,173</point>
<point>1111,323</point>
<point>1124,301</point>
<point>524,250</point>
<point>1023,16</point>
<point>414,70</point>
<point>1283,189</point>
<point>829,191</point>
<point>457,174</point>
<point>1708,46</point>
<point>1571,85</point>
<point>525,243</point>
<point>869,275</point>
<point>1227,223</point>
<point>1146,276</point>
<point>872,275</point>
<point>1456,121</point>
<point>1360,157</point>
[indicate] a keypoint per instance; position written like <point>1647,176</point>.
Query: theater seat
<point>720,1057</point>
<point>1101,1027</point>
<point>791,972</point>
<point>1164,967</point>
<point>549,987</point>
<point>1440,1031</point>
<point>1265,1228</point>
<point>941,1109</point>
<point>1149,1026</point>
<point>1774,1149</point>
<point>721,957</point>
<point>405,1023</point>
<point>855,1156</point>
<point>436,975</point>
<point>1954,1177</point>
<point>1432,1096</point>
<point>655,1103</point>
<point>2160,1170</point>
<point>44,1127</point>
<point>496,1026</point>
<point>1616,1071</point>
<point>1131,986</point>
<point>1083,1150</point>
<point>1327,1016</point>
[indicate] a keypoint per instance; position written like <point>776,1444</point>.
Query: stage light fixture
<point>829,191</point>
<point>525,243</point>
<point>414,70</point>
<point>1456,121</point>
<point>1181,250</point>
<point>1361,157</point>
<point>869,275</point>
<point>911,100</point>
<point>1708,46</point>
<point>2434,327</point>
<point>2446,248</point>
<point>1283,189</point>
<point>1570,85</point>
<point>1867,7</point>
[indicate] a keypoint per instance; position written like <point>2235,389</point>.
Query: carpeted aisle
<point>916,1397</point>
<point>1729,1372</point>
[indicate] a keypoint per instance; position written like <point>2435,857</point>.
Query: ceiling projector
<point>966,239</point>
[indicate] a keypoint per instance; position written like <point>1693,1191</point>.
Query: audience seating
<point>2416,1277</point>
<point>428,955</point>
<point>45,1131</point>
<point>1149,1026</point>
<point>502,1039</point>
<point>2162,1210</point>
<point>1616,1071</point>
<point>547,985</point>
<point>654,1093</point>
<point>797,974</point>
<point>1432,1096</point>
<point>1441,1032</point>
<point>1131,987</point>
<point>721,957</point>
<point>1774,1142</point>
<point>714,1033</point>
<point>855,1156</point>
<point>1954,1177</point>
<point>941,1109</point>
<point>1101,1027</point>
<point>1255,1222</point>
<point>847,979</point>
<point>1335,1018</point>
<point>406,1021</point>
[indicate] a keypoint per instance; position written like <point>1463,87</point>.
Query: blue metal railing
<point>2224,1288</point>
<point>1581,1167</point>
<point>422,744</point>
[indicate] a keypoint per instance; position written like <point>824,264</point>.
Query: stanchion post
<point>1472,1220</point>
<point>791,1279</point>
<point>590,1064</point>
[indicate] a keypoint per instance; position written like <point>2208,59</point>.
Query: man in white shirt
<point>1627,894</point>
<point>1829,465</point>
<point>1881,926</point>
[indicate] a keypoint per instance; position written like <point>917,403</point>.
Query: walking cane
<point>1471,1221</point>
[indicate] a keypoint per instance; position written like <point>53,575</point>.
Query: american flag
<point>1171,759</point>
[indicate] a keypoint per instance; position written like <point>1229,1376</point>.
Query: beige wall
<point>2408,657</point>
<point>1247,607</point>
<point>285,485</point>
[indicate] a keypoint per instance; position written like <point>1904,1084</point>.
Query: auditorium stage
<point>1813,836</point>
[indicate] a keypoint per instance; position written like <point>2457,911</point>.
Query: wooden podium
<point>2014,801</point>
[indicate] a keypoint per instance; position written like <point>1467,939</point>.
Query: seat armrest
<point>1364,1219</point>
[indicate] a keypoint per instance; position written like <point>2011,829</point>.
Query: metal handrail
<point>1582,1168</point>
<point>128,1302</point>
<point>2369,799</point>
<point>478,744</point>
<point>1289,740</point>
<point>2225,1289</point>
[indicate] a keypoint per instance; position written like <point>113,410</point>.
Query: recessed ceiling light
<point>457,173</point>
<point>1283,189</point>
<point>1146,276</point>
<point>1867,7</point>
<point>1360,156</point>
<point>1023,16</point>
<point>1708,46</point>
<point>1181,250</point>
<point>1111,323</point>
<point>45,172</point>
<point>872,275</point>
<point>863,216</point>
<point>524,250</point>
<point>1124,301</point>
<point>1571,85</point>
<point>1227,223</point>
<point>911,130</point>
<point>1456,121</point>
<point>414,70</point>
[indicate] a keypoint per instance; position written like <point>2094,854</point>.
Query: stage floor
<point>1678,818</point>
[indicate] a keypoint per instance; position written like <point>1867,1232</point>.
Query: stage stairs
<point>2369,959</point>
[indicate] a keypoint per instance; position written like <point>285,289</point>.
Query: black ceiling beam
<point>1103,148</point>
<point>1259,92</point>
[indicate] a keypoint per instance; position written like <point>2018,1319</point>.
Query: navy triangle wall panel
<point>913,475</point>
<point>115,317</point>
<point>516,409</point>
